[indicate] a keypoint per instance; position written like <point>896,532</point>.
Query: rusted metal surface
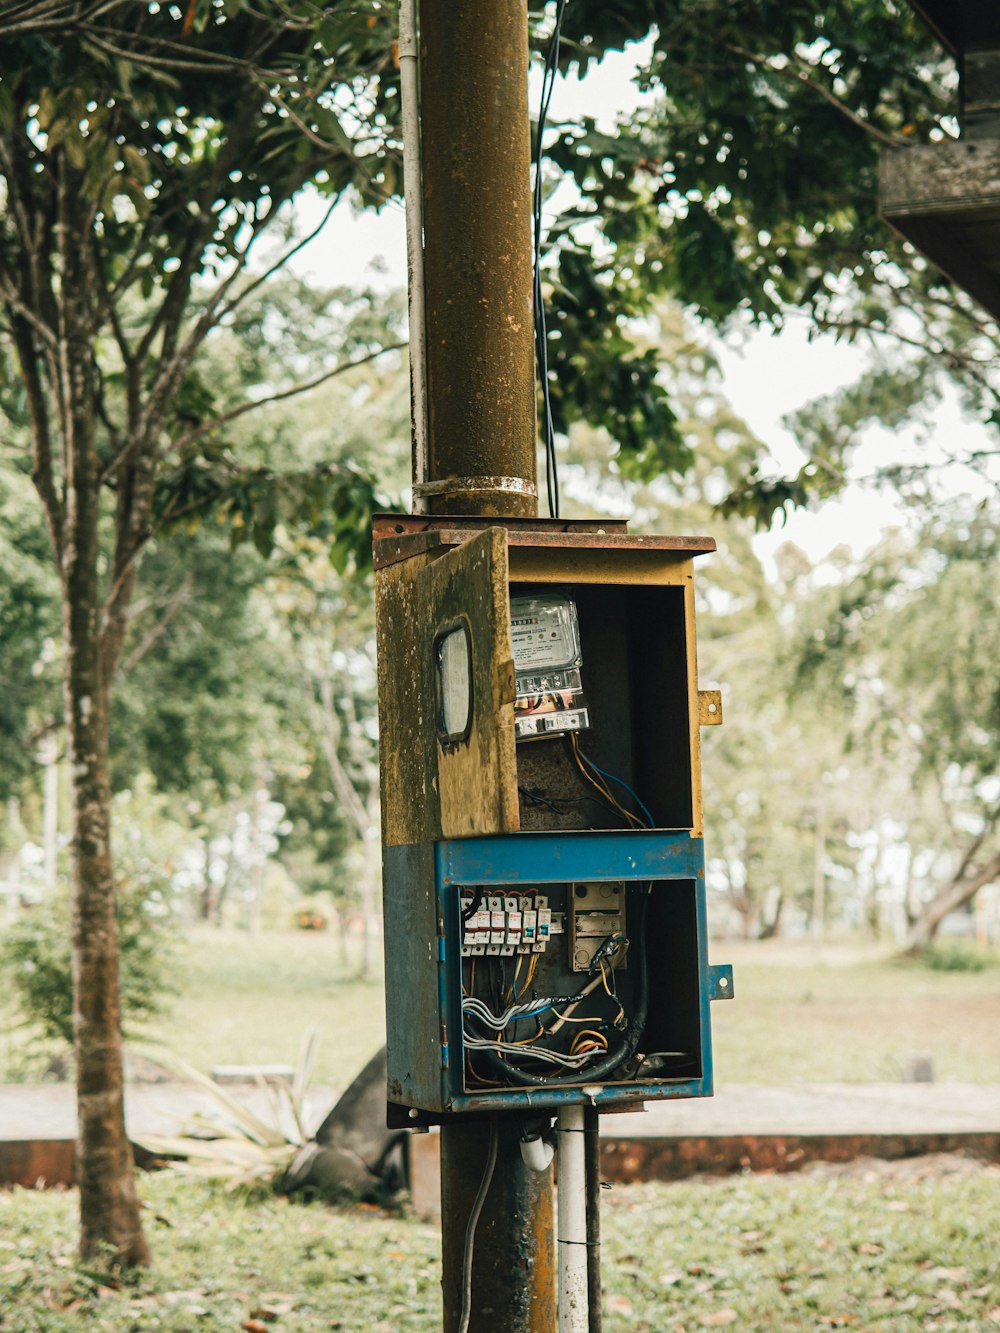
<point>411,967</point>
<point>710,708</point>
<point>546,534</point>
<point>433,788</point>
<point>478,252</point>
<point>387,524</point>
<point>513,1270</point>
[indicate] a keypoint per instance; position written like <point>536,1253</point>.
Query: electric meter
<point>545,638</point>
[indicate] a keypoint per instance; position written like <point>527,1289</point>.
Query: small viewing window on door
<point>453,662</point>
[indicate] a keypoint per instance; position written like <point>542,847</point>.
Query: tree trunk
<point>962,889</point>
<point>819,869</point>
<point>206,897</point>
<point>109,1207</point>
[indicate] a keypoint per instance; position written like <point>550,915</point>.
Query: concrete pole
<point>481,460</point>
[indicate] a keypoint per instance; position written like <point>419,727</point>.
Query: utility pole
<point>480,459</point>
<point>478,258</point>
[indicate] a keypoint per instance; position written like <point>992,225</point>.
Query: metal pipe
<point>409,86</point>
<point>480,459</point>
<point>572,1222</point>
<point>475,139</point>
<point>592,1149</point>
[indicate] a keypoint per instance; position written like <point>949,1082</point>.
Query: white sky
<point>765,375</point>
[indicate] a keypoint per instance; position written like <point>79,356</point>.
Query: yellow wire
<point>564,1018</point>
<point>599,785</point>
<point>580,1037</point>
<point>527,1041</point>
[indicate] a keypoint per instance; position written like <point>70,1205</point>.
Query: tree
<point>906,650</point>
<point>747,191</point>
<point>146,156</point>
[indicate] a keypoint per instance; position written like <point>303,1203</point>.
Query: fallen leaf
<point>253,1326</point>
<point>945,1274</point>
<point>718,1317</point>
<point>869,1247</point>
<point>619,1305</point>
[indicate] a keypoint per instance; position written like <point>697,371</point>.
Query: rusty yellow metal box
<point>565,866</point>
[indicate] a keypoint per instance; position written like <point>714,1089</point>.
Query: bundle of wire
<point>484,1031</point>
<point>599,779</point>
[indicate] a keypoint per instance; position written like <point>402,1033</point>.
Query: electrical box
<point>544,881</point>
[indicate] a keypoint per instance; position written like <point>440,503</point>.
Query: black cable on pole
<point>541,343</point>
<point>473,1222</point>
<point>592,1158</point>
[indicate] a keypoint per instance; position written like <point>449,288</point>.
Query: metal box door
<point>446,694</point>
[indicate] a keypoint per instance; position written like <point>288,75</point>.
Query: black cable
<point>592,1168</point>
<point>541,343</point>
<point>470,1229</point>
<point>468,912</point>
<point>633,1033</point>
<point>537,798</point>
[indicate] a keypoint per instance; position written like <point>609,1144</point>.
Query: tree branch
<point>42,473</point>
<point>205,426</point>
<point>150,640</point>
<point>229,306</point>
<point>800,75</point>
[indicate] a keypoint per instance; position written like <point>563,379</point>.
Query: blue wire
<point>649,818</point>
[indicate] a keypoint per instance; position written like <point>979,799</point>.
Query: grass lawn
<point>881,1249</point>
<point>248,1000</point>
<point>808,1013</point>
<point>802,1012</point>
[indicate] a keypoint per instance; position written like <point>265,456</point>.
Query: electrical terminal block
<point>498,925</point>
<point>502,926</point>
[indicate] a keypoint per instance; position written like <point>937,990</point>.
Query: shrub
<point>959,956</point>
<point>35,956</point>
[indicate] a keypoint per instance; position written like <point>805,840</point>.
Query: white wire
<point>540,1053</point>
<point>470,1228</point>
<point>472,1004</point>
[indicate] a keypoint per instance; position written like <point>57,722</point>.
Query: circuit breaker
<point>544,885</point>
